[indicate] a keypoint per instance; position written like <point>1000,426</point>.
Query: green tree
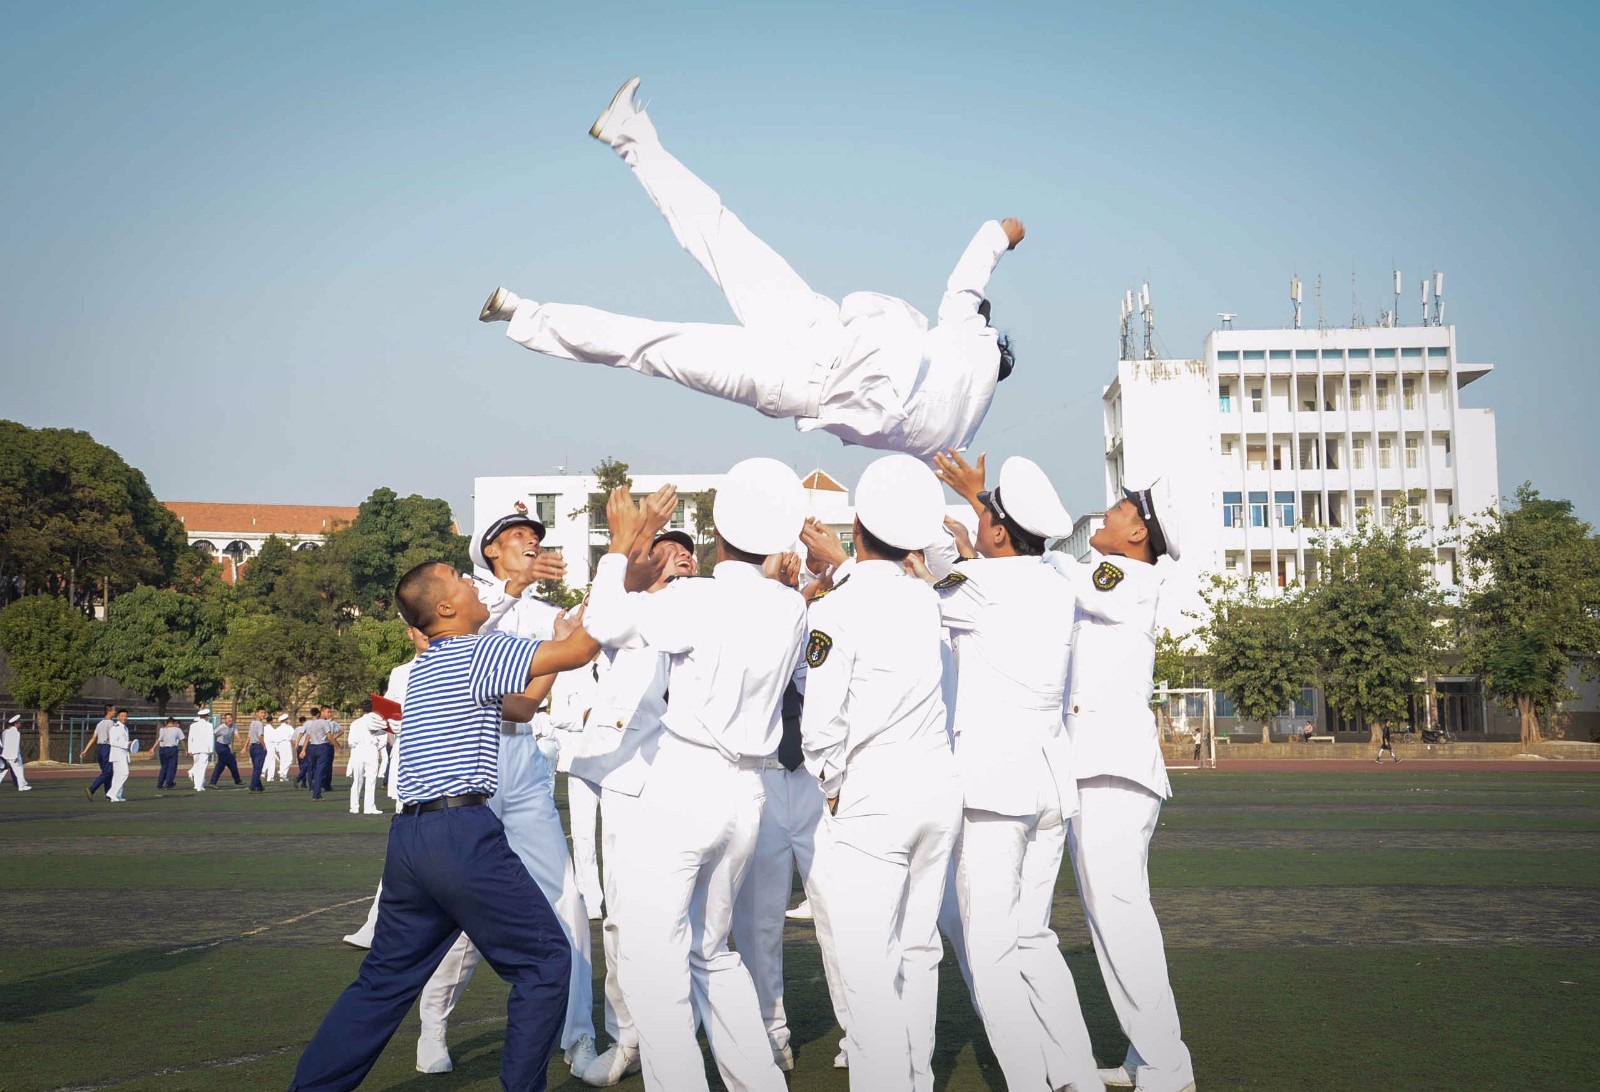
<point>50,647</point>
<point>158,642</point>
<point>1531,608</point>
<point>389,536</point>
<point>1256,649</point>
<point>1375,621</point>
<point>288,662</point>
<point>609,473</point>
<point>76,520</point>
<point>557,592</point>
<point>1175,665</point>
<point>385,644</point>
<point>705,539</point>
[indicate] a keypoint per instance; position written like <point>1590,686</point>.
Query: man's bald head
<point>420,591</point>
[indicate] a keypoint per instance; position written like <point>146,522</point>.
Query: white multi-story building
<point>1277,437</point>
<point>573,510</point>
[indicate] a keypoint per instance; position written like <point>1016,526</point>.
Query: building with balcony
<point>234,533</point>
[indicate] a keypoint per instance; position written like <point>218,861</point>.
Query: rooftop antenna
<point>1394,316</point>
<point>1227,318</point>
<point>1438,298</point>
<point>1319,301</point>
<point>1127,325</point>
<point>1424,300</point>
<point>1295,295</point>
<point>1357,319</point>
<point>1149,321</point>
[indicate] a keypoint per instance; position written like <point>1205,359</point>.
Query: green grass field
<point>1378,930</point>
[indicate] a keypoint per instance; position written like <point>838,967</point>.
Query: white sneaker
<point>580,1055</point>
<point>1120,1077</point>
<point>25,788</point>
<point>617,1063</point>
<point>841,1060</point>
<point>499,307</point>
<point>433,1056</point>
<point>355,811</point>
<point>783,1058</point>
<point>359,939</point>
<point>374,811</point>
<point>801,912</point>
<point>614,116</point>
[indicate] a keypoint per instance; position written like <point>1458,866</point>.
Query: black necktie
<point>789,752</point>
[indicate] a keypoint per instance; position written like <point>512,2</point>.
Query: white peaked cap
<point>900,501</point>
<point>282,717</point>
<point>1026,497</point>
<point>14,718</point>
<point>203,711</point>
<point>482,536</point>
<point>1160,513</point>
<point>760,506</point>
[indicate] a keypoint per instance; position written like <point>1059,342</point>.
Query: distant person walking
<point>11,752</point>
<point>100,742</point>
<point>169,741</point>
<point>1387,744</point>
<point>121,749</point>
<point>258,748</point>
<point>224,734</point>
<point>280,749</point>
<point>201,743</point>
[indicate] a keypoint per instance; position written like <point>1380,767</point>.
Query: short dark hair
<point>172,720</point>
<point>366,705</point>
<point>1023,541</point>
<point>736,554</point>
<point>877,547</point>
<point>418,592</point>
<point>111,707</point>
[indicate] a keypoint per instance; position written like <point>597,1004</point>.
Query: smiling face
<point>459,607</point>
<point>513,551</point>
<point>679,562</point>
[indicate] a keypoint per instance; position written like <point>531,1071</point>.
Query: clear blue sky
<point>245,246</point>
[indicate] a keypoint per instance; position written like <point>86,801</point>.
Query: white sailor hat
<point>14,718</point>
<point>900,501</point>
<point>1025,499</point>
<point>283,717</point>
<point>518,516</point>
<point>1160,517</point>
<point>204,710</point>
<point>760,506</point>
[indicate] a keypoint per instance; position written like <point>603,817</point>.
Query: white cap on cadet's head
<point>14,718</point>
<point>1024,496</point>
<point>760,506</point>
<point>900,501</point>
<point>282,717</point>
<point>1160,515</point>
<point>204,710</point>
<point>481,537</point>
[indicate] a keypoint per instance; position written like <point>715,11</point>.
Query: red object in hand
<point>385,708</point>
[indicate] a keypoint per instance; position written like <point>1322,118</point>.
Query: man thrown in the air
<point>869,369</point>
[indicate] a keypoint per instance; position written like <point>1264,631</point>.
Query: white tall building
<point>573,510</point>
<point>1276,437</point>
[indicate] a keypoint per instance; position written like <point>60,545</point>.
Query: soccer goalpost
<point>1188,715</point>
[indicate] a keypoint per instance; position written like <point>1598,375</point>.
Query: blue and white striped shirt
<point>452,714</point>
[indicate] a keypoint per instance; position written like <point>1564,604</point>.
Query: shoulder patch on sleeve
<point>1107,576</point>
<point>954,580</point>
<point>818,645</point>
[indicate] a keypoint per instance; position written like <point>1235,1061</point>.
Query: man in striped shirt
<point>449,868</point>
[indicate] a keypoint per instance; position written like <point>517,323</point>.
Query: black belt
<point>465,800</point>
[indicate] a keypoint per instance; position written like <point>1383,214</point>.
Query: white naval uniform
<point>614,751</point>
<point>868,370</point>
<point>874,737</point>
<point>570,702</point>
<point>119,760</point>
<point>1122,780</point>
<point>202,742</point>
<point>734,640</point>
<point>1008,616</point>
<point>395,691</point>
<point>11,753</point>
<point>526,806</point>
<point>366,733</point>
<point>280,752</point>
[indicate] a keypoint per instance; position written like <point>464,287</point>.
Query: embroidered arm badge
<point>954,580</point>
<point>817,648</point>
<point>1107,576</point>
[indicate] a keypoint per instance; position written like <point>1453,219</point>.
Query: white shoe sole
<point>624,93</point>
<point>494,308</point>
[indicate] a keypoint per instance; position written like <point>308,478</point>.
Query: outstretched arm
<point>964,291</point>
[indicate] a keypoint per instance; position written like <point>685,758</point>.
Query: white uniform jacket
<point>11,744</point>
<point>1011,620</point>
<point>901,386</point>
<point>624,726</point>
<point>202,741</point>
<point>1108,712</point>
<point>733,638</point>
<point>873,670</point>
<point>369,730</point>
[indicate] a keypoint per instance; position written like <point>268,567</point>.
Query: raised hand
<point>958,531</point>
<point>1014,231</point>
<point>963,477</point>
<point>625,519</point>
<point>565,624</point>
<point>783,567</point>
<point>824,550</point>
<point>547,566</point>
<point>659,508</point>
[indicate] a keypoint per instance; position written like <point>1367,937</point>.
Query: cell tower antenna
<point>1357,319</point>
<point>1394,316</point>
<point>1438,298</point>
<point>1319,301</point>
<point>1295,296</point>
<point>1424,279</point>
<point>1126,350</point>
<point>1227,318</point>
<point>1149,321</point>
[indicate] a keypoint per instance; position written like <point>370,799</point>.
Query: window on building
<point>1447,501</point>
<point>1232,561</point>
<point>1253,354</point>
<point>1280,354</point>
<point>1359,354</point>
<point>1232,510</point>
<point>1225,397</point>
<point>1448,456</point>
<point>1280,456</point>
<point>1408,393</point>
<point>1225,706</point>
<point>1227,448</point>
<point>1358,452</point>
<point>544,509</point>
<point>1309,355</point>
<point>1384,354</point>
<point>1258,508</point>
<point>1230,354</point>
<point>848,540</point>
<point>1255,457</point>
<point>1382,393</point>
<point>1357,390</point>
<point>1439,352</point>
<point>1414,508</point>
<point>1412,458</point>
<point>1283,509</point>
<point>1385,452</point>
<point>679,515</point>
<point>1333,454</point>
<point>1255,399</point>
<point>1411,354</point>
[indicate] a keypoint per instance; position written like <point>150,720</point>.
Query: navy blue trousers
<point>258,755</point>
<point>319,766</point>
<point>449,872</point>
<point>167,778</point>
<point>225,760</point>
<point>327,766</point>
<point>302,767</point>
<point>102,755</point>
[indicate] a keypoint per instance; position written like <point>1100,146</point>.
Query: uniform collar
<point>876,569</point>
<point>737,570</point>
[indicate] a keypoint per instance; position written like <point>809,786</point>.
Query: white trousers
<point>119,774</point>
<point>774,361</point>
<point>14,767</point>
<point>280,756</point>
<point>788,838</point>
<point>1110,840</point>
<point>583,809</point>
<point>534,832</point>
<point>688,846</point>
<point>197,769</point>
<point>619,813</point>
<point>1005,882</point>
<point>888,852</point>
<point>363,770</point>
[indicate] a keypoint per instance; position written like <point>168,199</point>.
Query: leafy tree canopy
<point>50,647</point>
<point>1256,647</point>
<point>159,642</point>
<point>389,536</point>
<point>287,662</point>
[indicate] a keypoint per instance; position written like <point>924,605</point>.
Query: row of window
<point>1282,453</point>
<point>1358,386</point>
<point>1437,352</point>
<point>1280,512</point>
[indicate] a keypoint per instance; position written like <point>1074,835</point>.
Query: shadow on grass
<point>27,999</point>
<point>477,1059</point>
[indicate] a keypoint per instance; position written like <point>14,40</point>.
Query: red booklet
<point>385,707</point>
